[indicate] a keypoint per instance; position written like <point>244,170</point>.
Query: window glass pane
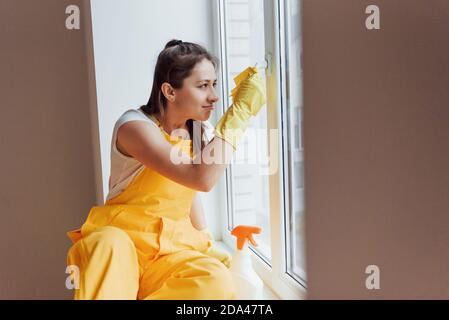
<point>295,172</point>
<point>245,46</point>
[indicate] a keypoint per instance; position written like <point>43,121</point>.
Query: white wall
<point>128,36</point>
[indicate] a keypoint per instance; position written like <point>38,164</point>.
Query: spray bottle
<point>247,283</point>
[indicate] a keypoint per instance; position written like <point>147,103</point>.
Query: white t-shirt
<point>124,168</point>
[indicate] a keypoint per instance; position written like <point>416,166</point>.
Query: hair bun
<point>173,43</point>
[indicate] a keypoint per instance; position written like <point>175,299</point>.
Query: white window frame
<point>274,276</point>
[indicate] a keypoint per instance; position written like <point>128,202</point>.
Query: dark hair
<point>174,64</point>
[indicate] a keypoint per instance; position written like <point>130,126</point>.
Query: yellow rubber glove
<point>249,96</point>
<point>240,77</point>
<point>214,252</point>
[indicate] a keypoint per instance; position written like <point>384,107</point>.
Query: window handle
<point>265,64</point>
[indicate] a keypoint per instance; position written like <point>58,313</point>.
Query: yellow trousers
<point>142,245</point>
<point>110,270</point>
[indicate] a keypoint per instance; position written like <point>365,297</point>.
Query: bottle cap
<point>243,233</point>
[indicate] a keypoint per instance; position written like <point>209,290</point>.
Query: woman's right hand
<point>250,95</point>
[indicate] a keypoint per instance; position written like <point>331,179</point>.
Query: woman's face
<point>196,99</point>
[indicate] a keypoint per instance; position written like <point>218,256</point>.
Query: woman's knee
<point>111,236</point>
<point>108,238</point>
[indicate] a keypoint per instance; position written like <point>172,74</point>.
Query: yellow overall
<point>142,245</point>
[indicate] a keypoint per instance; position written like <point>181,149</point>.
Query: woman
<point>149,239</point>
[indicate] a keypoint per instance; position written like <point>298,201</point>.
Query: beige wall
<point>47,163</point>
<point>376,134</point>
